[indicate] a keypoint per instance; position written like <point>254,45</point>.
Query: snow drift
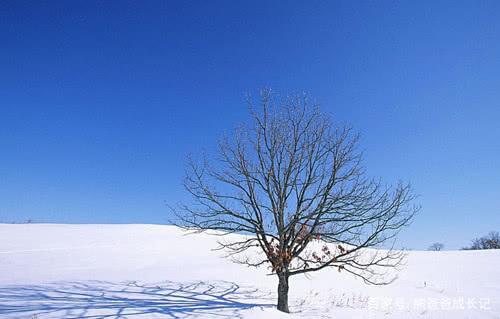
<point>153,271</point>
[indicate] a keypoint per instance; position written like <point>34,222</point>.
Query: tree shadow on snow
<point>101,299</point>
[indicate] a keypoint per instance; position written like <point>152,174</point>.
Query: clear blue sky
<point>101,101</point>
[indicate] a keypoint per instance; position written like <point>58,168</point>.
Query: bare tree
<point>294,184</point>
<point>490,241</point>
<point>436,247</point>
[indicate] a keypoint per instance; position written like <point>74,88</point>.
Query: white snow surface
<point>156,271</point>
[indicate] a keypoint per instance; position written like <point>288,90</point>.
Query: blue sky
<point>101,102</point>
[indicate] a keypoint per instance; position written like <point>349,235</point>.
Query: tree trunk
<point>283,292</point>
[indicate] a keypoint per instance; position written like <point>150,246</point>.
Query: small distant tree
<point>436,247</point>
<point>490,241</point>
<point>293,182</point>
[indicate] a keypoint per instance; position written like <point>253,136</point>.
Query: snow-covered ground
<point>152,271</point>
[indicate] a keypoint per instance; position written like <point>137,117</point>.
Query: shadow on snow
<point>102,299</point>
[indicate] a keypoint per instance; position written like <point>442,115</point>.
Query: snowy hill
<point>152,271</point>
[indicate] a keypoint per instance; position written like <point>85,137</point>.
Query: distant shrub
<point>436,247</point>
<point>490,241</point>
